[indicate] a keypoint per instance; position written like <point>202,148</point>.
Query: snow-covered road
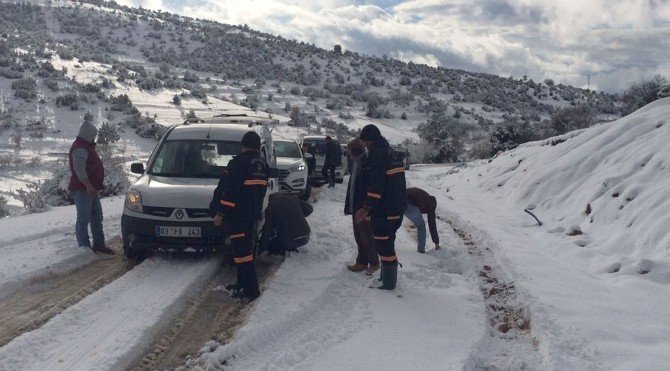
<point>112,328</point>
<point>316,315</point>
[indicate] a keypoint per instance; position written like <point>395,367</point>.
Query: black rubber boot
<point>390,275</point>
<point>381,272</point>
<point>249,281</point>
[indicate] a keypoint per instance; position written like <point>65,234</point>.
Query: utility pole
<point>588,82</point>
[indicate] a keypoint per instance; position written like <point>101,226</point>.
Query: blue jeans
<point>414,214</point>
<point>89,211</point>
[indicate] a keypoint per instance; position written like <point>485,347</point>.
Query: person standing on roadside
<point>86,178</point>
<point>333,158</point>
<point>385,200</point>
<point>244,182</point>
<point>310,161</point>
<point>367,258</point>
<point>420,202</point>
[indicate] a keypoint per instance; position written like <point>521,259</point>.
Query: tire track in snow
<point>43,298</point>
<point>114,326</point>
<point>210,319</point>
<point>511,345</point>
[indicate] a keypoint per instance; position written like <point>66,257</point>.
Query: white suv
<point>167,208</point>
<point>292,169</point>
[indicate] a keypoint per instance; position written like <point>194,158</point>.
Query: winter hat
<point>370,133</point>
<point>87,131</point>
<point>251,140</point>
<point>355,147</point>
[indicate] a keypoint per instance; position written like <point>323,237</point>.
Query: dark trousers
<point>384,228</point>
<point>242,242</point>
<point>328,172</point>
<point>367,254</point>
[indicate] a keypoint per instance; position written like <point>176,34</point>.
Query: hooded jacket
<point>84,160</point>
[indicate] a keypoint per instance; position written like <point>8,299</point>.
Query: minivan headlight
<point>134,201</point>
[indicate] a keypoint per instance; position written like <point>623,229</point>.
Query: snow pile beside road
<point>595,275</point>
<point>611,182</point>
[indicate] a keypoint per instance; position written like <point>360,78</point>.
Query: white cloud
<point>616,42</point>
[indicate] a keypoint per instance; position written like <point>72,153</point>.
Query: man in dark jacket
<point>310,160</point>
<point>385,200</point>
<point>333,158</point>
<point>367,258</point>
<point>86,178</point>
<point>245,182</point>
<point>420,202</point>
<point>285,227</point>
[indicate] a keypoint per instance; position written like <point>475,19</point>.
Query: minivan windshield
<point>287,149</point>
<point>193,158</point>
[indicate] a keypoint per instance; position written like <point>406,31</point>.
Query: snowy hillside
<point>594,277</point>
<point>612,182</point>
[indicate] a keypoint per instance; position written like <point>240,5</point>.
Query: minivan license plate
<point>186,232</point>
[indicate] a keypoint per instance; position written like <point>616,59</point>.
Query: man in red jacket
<point>86,177</point>
<point>420,202</point>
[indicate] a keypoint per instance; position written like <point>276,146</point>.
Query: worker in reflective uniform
<point>385,200</point>
<point>244,182</point>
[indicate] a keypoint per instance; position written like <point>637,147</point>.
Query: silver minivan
<point>167,208</point>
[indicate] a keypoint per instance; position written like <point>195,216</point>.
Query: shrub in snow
<point>482,148</point>
<point>31,197</point>
<point>510,134</point>
<point>191,77</point>
<point>198,92</point>
<point>54,190</point>
<point>640,94</point>
<point>5,160</point>
<point>37,128</point>
<point>3,207</point>
<point>444,138</point>
<point>108,134</point>
<point>68,100</point>
<point>25,88</point>
<point>571,118</point>
<point>16,138</point>
<point>116,180</point>
<point>176,100</point>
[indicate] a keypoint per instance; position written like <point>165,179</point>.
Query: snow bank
<point>611,181</point>
<point>595,275</point>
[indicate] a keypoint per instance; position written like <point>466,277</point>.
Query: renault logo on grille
<point>179,214</point>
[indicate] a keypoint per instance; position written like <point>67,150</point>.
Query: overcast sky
<point>616,42</point>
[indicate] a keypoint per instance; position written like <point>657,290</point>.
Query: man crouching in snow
<point>385,202</point>
<point>86,177</point>
<point>285,227</point>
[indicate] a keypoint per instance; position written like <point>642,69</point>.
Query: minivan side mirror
<point>137,168</point>
<point>273,172</point>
